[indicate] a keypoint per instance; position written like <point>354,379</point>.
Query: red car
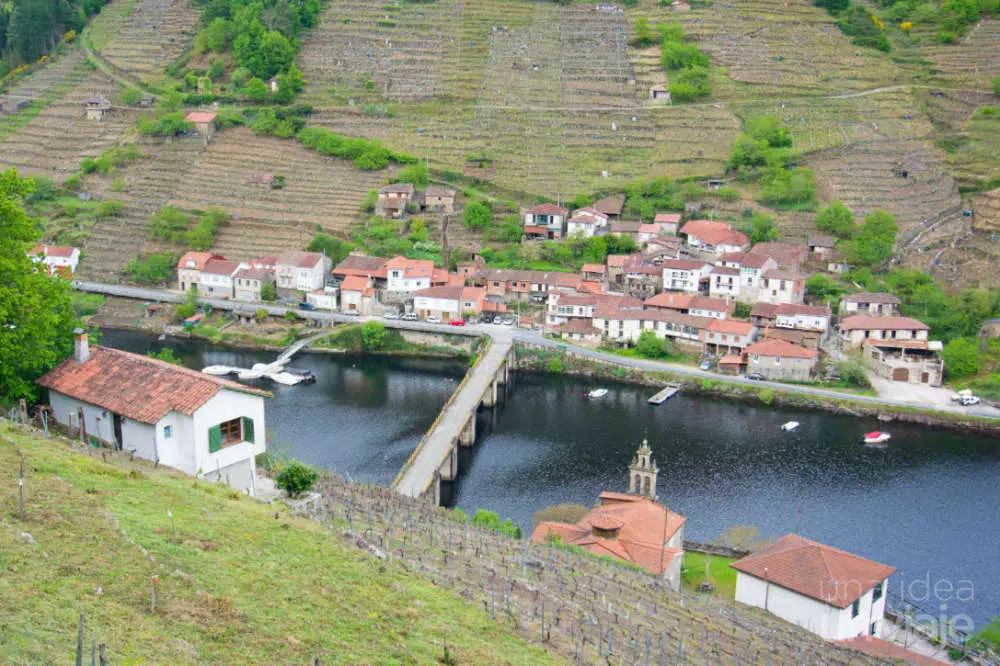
<point>457,322</point>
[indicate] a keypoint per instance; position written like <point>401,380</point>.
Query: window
<point>230,432</point>
<point>877,593</point>
<point>856,608</point>
<point>168,432</point>
<point>777,360</point>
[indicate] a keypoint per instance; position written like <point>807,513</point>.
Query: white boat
<point>790,426</point>
<point>249,374</point>
<point>598,393</point>
<point>876,438</point>
<point>218,370</point>
<point>286,378</point>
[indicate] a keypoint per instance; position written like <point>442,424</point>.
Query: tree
<point>510,230</point>
<point>415,173</point>
<point>742,310</point>
<point>373,335</point>
<point>257,91</point>
<point>296,478</point>
<point>36,311</point>
<point>189,306</point>
<point>961,358</point>
<point>268,292</point>
<point>418,231</point>
<point>167,355</point>
<point>823,287</point>
<point>477,215</point>
<point>836,219</point>
<point>153,268</point>
<point>334,248</point>
<point>651,346</point>
<point>761,229</point>
<point>874,240</point>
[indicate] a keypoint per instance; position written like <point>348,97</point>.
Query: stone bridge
<point>436,457</point>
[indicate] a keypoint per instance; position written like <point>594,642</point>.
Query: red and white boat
<point>876,438</point>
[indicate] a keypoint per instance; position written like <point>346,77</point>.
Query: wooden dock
<point>666,394</point>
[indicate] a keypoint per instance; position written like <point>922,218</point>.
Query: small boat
<point>307,376</point>
<point>249,374</point>
<point>876,438</point>
<point>790,426</point>
<point>598,393</point>
<point>285,378</point>
<point>218,370</point>
<point>163,336</point>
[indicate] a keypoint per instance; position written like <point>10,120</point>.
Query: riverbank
<point>536,358</point>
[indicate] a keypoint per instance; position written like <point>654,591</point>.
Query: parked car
<point>969,400</point>
<point>390,315</point>
<point>457,322</point>
<point>706,365</point>
<point>306,306</point>
<point>755,376</point>
<point>509,321</point>
<point>352,313</point>
<point>497,320</point>
<point>410,316</point>
<point>433,320</point>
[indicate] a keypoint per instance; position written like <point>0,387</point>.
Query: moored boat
<point>789,426</point>
<point>598,393</point>
<point>876,438</point>
<point>218,370</point>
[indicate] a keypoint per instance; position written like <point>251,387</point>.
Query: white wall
<point>96,422</point>
<point>224,406</point>
<point>439,307</point>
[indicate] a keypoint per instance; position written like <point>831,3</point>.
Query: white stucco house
<point>684,275</point>
<point>189,269</point>
<point>202,425</point>
<point>448,303</point>
<point>58,259</point>
<point>822,589</point>
<point>218,278</point>
<point>408,275</point>
<point>586,222</point>
<point>302,271</point>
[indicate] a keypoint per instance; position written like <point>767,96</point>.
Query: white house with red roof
<point>684,274</point>
<point>190,266</point>
<point>857,329</point>
<point>874,304</point>
<point>630,526</point>
<point>218,278</point>
<point>301,271</point>
<point>751,270</point>
<point>803,317</point>
<point>724,282</point>
<point>548,220</point>
<point>448,303</point>
<point>202,425</point>
<point>357,294</point>
<point>716,238</point>
<point>822,589</point>
<point>780,359</point>
<point>57,259</point>
<point>586,222</point>
<point>408,275</point>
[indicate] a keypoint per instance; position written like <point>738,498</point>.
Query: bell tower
<point>642,472</point>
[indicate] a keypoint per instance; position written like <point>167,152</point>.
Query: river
<point>926,505</point>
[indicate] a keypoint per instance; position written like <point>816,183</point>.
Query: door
<point>925,377</point>
<point>900,375</point>
<point>118,431</point>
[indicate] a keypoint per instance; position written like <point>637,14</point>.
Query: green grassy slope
<point>239,582</point>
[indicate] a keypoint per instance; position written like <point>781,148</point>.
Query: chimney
<point>81,347</point>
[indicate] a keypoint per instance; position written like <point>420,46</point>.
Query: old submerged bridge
<point>436,457</point>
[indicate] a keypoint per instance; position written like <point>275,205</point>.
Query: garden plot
<point>52,143</point>
<point>148,35</point>
<point>320,192</point>
<point>870,176</point>
<point>55,75</point>
<point>596,71</point>
<point>974,61</point>
<point>144,187</point>
<point>968,133</point>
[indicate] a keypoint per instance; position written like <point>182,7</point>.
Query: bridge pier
<point>449,468</point>
<point>490,397</point>
<point>467,437</point>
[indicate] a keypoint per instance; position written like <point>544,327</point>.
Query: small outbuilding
<point>204,123</point>
<point>96,107</point>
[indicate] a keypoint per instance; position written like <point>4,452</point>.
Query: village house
<point>593,272</point>
<point>856,329</point>
<point>623,323</point>
<point>586,222</point>
<point>200,424</point>
<point>702,306</point>
<point>190,266</point>
<point>714,238</point>
<point>642,279</point>
<point>628,228</point>
<point>360,264</point>
<point>96,107</point>
<point>822,247</point>
<point>248,282</point>
<point>667,222</point>
<point>525,284</point>
<point>393,199</point>
<point>780,285</point>
<point>685,275</point>
<point>611,207</point>
<point>802,317</point>
<point>581,331</point>
<point>912,361</point>
<point>662,247</point>
<point>778,359</point>
<point>323,299</point>
<point>217,278</point>
<point>669,300</point>
<point>631,526</point>
<point>563,307</point>
<point>752,268</point>
<point>874,304</point>
<point>835,263</point>
<point>204,123</point>
<point>706,306</point>
<point>724,282</point>
<point>822,589</point>
<point>784,255</point>
<point>448,303</point>
<point>727,336</point>
<point>57,259</point>
<point>658,94</point>
<point>408,275</point>
<point>301,271</point>
<point>545,221</point>
<point>801,337</point>
<point>357,295</point>
<point>439,199</point>
<point>646,233</point>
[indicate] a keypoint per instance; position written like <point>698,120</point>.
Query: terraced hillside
<point>974,61</point>
<point>53,142</point>
<point>138,38</point>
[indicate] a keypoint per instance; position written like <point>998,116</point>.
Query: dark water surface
<point>927,505</point>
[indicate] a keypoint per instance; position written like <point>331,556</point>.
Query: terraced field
<point>138,38</point>
<point>53,142</point>
<point>319,192</point>
<point>974,61</point>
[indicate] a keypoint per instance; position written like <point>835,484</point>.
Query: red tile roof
<point>683,264</point>
<point>725,270</point>
<point>593,268</point>
<point>783,253</point>
<point>815,570</point>
<point>354,283</point>
<point>299,259</point>
<point>765,310</point>
<point>611,205</point>
<point>643,527</point>
<point>620,260</point>
<point>359,264</point>
<point>200,117</point>
<point>879,647</point>
<point>398,188</point>
<point>667,218</point>
<point>869,323</point>
<point>649,229</point>
<point>710,304</point>
<point>54,250</point>
<point>450,293</point>
<point>580,325</point>
<point>734,326</point>
<point>731,359</point>
<point>547,209</point>
<point>670,301</point>
<point>715,233</point>
<point>220,267</point>
<point>255,274</point>
<point>780,348</point>
<point>793,309</point>
<point>196,259</point>
<point>411,267</point>
<point>137,387</point>
<point>535,230</point>
<point>871,297</point>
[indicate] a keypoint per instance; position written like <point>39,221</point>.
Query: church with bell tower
<point>642,473</point>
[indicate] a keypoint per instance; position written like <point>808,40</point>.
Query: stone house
<point>822,589</point>
<point>611,206</point>
<point>582,331</point>
<point>593,272</point>
<point>393,199</point>
<point>874,304</point>
<point>202,425</point>
<point>96,107</point>
<point>724,282</point>
<point>778,359</point>
<point>643,280</point>
<point>667,222</point>
<point>912,361</point>
<point>784,254</point>
<point>190,266</point>
<point>439,199</point>
<point>248,283</point>
<point>822,247</point>
<point>204,123</point>
<point>857,329</point>
<point>780,285</point>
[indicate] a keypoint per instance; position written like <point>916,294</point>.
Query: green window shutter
<point>214,439</point>
<point>248,429</point>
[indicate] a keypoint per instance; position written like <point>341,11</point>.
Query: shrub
<point>491,521</point>
<point>109,208</point>
<point>216,68</point>
<point>261,314</point>
<point>334,248</point>
<point>477,215</point>
<point>415,173</point>
<point>291,315</point>
<point>130,96</point>
<point>296,478</point>
<point>560,513</point>
<point>153,268</point>
<point>961,358</point>
<point>72,182</point>
<point>727,193</point>
<point>555,365</point>
<point>651,346</point>
<point>766,396</point>
<point>373,335</point>
<point>268,292</point>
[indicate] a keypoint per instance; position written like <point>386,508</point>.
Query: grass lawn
<point>721,575</point>
<point>239,582</point>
